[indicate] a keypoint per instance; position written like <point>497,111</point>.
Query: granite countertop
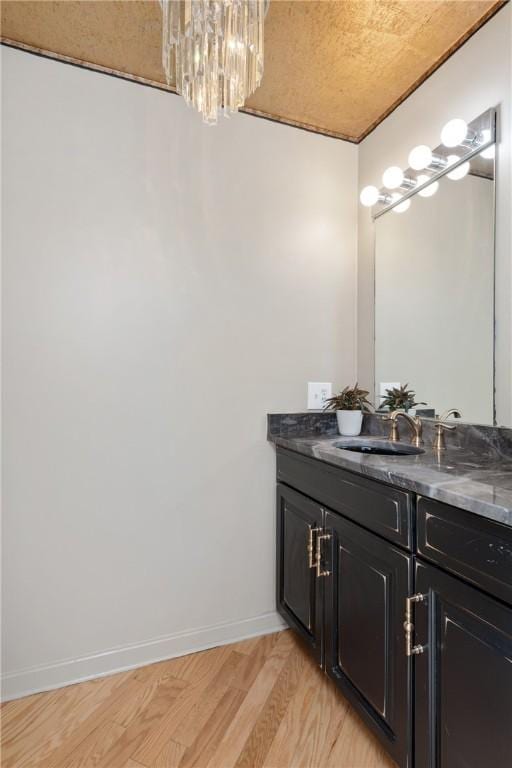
<point>474,473</point>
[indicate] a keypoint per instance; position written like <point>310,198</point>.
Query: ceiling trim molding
<point>301,126</point>
<point>45,54</point>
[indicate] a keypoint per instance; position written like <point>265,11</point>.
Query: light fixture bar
<point>437,162</point>
<point>485,122</point>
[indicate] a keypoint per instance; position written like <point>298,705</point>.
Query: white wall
<point>475,78</point>
<point>165,285</point>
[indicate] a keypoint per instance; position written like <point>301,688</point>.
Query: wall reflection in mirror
<point>434,293</point>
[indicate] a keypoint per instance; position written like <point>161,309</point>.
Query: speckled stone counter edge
<point>311,424</point>
<point>487,440</point>
<point>474,474</point>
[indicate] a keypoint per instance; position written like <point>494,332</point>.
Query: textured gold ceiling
<point>338,67</point>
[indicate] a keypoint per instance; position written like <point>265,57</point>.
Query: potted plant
<point>349,405</point>
<point>400,399</point>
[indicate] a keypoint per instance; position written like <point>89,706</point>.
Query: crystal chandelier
<point>213,51</point>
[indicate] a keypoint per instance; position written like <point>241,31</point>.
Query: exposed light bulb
<point>430,190</point>
<point>420,157</point>
<point>460,171</point>
<point>369,196</point>
<point>402,206</point>
<point>454,132</point>
<point>489,153</point>
<point>392,177</point>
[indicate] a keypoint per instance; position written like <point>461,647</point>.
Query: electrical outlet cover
<point>318,393</point>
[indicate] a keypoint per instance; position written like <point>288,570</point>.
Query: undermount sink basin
<point>377,446</point>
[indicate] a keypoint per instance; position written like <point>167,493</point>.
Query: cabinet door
<point>364,635</point>
<point>463,679</point>
<point>299,592</point>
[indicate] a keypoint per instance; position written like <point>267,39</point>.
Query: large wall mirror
<point>434,291</point>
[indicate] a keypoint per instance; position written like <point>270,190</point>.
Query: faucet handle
<point>393,431</point>
<point>441,420</point>
<point>441,424</point>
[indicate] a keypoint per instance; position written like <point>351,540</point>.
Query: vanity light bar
<point>476,138</point>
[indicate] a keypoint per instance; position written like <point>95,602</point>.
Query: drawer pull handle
<point>319,539</point>
<point>410,649</point>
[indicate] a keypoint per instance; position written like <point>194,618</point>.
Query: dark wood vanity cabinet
<point>463,677</point>
<point>364,638</point>
<point>343,587</point>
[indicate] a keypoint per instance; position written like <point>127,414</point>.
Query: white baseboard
<point>47,677</point>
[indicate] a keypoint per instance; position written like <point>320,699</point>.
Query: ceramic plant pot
<point>349,422</point>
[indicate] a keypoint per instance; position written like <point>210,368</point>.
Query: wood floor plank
<point>205,668</point>
<point>252,663</point>
<point>170,756</point>
<point>350,749</point>
<point>92,749</point>
<point>107,710</point>
<point>125,747</point>
<point>148,678</point>
<point>45,708</point>
<point>160,670</point>
<point>196,666</point>
<point>200,752</point>
<point>264,729</point>
<point>283,746</point>
<point>320,725</point>
<point>262,703</point>
<point>132,707</point>
<point>238,732</point>
<point>188,729</point>
<point>11,711</point>
<point>57,728</point>
<point>253,644</point>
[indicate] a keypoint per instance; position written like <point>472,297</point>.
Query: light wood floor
<point>260,703</point>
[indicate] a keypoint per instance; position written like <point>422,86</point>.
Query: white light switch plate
<point>318,392</point>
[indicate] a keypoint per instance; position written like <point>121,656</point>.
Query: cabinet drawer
<point>473,547</point>
<point>376,506</point>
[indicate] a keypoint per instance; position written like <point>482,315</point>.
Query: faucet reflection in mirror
<point>399,186</point>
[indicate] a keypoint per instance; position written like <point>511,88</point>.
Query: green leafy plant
<point>349,399</point>
<point>398,398</point>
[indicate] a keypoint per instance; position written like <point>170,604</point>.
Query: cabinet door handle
<point>311,546</point>
<point>319,539</point>
<point>410,649</point>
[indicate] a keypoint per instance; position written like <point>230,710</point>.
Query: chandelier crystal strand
<point>213,51</point>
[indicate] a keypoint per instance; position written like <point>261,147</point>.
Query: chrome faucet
<point>440,426</point>
<point>413,421</point>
